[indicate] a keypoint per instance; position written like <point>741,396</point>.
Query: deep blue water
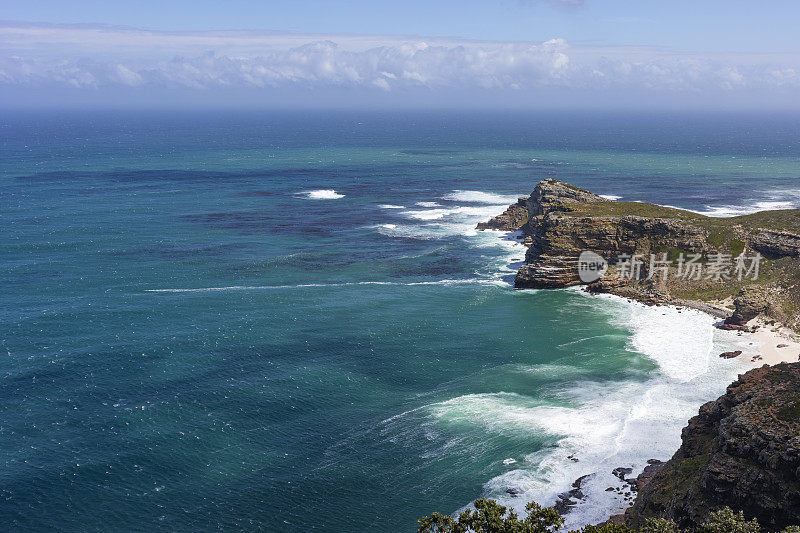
<point>227,320</point>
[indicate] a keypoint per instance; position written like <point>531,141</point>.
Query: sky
<point>377,53</point>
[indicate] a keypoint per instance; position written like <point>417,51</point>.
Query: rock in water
<point>567,500</point>
<point>730,355</point>
<point>620,472</point>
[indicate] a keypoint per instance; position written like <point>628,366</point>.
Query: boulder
<point>749,303</point>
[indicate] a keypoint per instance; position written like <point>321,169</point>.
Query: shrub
<point>490,517</point>
<point>487,516</point>
<point>659,525</point>
<point>727,521</point>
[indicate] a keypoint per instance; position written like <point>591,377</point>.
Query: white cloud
<point>381,83</point>
<point>128,77</point>
<point>92,58</point>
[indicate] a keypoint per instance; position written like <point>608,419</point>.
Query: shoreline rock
<point>750,302</point>
<point>741,451</point>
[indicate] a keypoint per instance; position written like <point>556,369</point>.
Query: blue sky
<point>707,25</point>
<point>573,53</point>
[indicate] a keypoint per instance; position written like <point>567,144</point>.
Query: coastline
<point>560,223</point>
<point>701,336</point>
<point>589,500</point>
<point>775,342</point>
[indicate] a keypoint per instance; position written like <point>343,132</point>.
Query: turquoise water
<point>228,321</point>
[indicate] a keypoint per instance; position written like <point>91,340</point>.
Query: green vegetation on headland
<point>780,220</point>
<point>487,516</point>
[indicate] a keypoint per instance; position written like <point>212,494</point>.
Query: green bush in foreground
<point>726,521</point>
<point>490,517</point>
<point>487,516</point>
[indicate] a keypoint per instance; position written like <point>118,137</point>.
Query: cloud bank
<point>105,59</point>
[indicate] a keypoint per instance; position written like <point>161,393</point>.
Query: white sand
<point>769,337</point>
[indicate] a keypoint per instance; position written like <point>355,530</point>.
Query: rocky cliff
<point>560,221</point>
<point>511,219</point>
<point>741,451</point>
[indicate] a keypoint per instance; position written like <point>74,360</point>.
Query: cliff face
<point>563,223</point>
<point>560,221</point>
<point>776,243</point>
<point>554,195</point>
<point>742,451</point>
<point>559,238</point>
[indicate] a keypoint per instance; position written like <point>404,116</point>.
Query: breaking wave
<point>321,194</point>
<point>479,197</point>
<point>771,200</point>
<point>231,288</point>
<point>585,427</point>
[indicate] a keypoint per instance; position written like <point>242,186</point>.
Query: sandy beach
<point>777,344</point>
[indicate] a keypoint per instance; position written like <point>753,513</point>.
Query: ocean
<point>287,321</point>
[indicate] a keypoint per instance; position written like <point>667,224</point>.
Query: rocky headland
<point>558,221</point>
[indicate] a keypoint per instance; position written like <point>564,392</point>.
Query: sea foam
<point>459,217</point>
<point>235,288</point>
<point>480,197</point>
<point>321,194</point>
<point>770,200</point>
